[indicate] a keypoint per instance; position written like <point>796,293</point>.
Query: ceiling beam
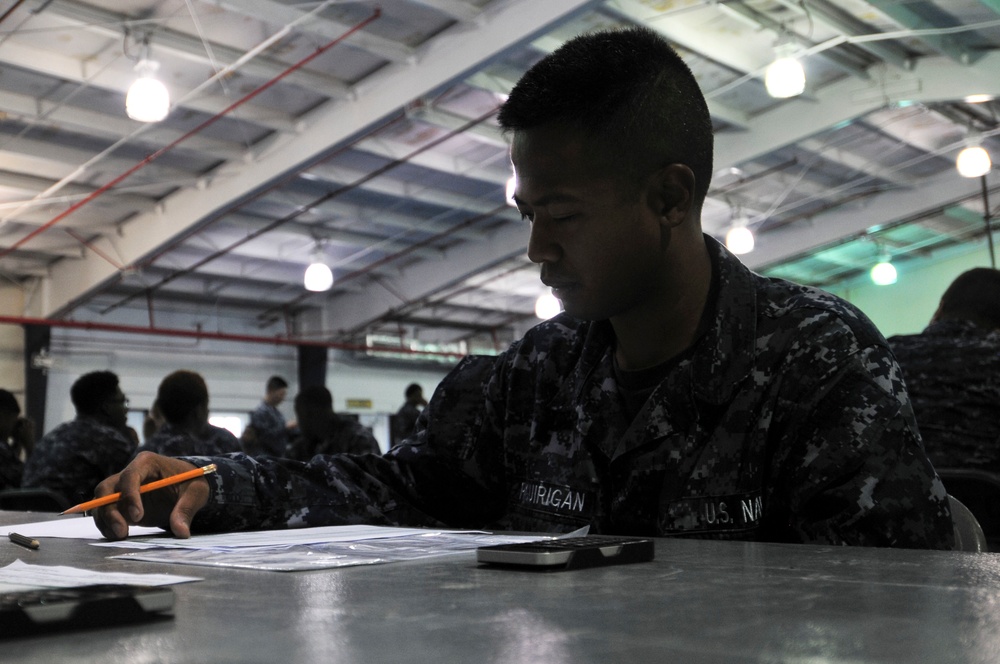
<point>933,79</point>
<point>940,192</point>
<point>908,15</point>
<point>451,55</point>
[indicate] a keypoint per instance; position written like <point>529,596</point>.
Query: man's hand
<point>171,508</point>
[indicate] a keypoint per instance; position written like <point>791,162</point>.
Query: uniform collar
<point>725,353</point>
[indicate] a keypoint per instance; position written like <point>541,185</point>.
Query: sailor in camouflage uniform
<point>952,372</point>
<point>183,399</point>
<point>322,431</point>
<point>679,393</point>
<point>72,458</point>
<point>267,432</point>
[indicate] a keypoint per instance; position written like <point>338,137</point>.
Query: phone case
<point>52,609</point>
<point>569,553</point>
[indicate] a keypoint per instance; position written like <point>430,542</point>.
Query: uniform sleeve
<point>851,468</point>
<point>447,474</point>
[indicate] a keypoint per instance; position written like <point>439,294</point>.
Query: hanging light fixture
<point>884,272</point>
<point>973,161</point>
<point>739,238</point>
<point>547,305</point>
<point>318,276</point>
<point>785,77</point>
<point>148,99</point>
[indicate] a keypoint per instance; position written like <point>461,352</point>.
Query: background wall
<point>907,306</point>
<point>235,373</point>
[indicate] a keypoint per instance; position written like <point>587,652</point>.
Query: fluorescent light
<point>148,99</point>
<point>978,98</point>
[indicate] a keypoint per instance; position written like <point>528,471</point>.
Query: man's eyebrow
<point>548,200</point>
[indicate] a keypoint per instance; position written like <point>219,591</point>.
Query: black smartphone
<point>53,609</point>
<point>569,553</point>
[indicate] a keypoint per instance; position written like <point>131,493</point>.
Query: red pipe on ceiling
<point>159,153</point>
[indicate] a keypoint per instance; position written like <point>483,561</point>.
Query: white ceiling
<point>368,129</point>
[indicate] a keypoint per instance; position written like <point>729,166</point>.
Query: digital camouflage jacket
<point>785,421</point>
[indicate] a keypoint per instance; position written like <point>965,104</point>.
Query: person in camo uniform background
<point>72,458</point>
<point>952,373</point>
<point>267,432</point>
<point>182,397</point>
<point>678,393</point>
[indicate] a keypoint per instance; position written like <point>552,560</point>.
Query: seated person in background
<point>154,421</point>
<point>267,432</point>
<point>72,458</point>
<point>406,417</point>
<point>17,439</point>
<point>677,394</point>
<point>952,372</point>
<point>183,400</point>
<point>322,431</point>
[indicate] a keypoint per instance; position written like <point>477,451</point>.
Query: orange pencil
<point>152,486</point>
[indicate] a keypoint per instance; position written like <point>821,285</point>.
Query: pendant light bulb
<point>148,99</point>
<point>510,189</point>
<point>547,305</point>
<point>884,272</point>
<point>973,161</point>
<point>740,239</point>
<point>318,276</point>
<point>785,77</point>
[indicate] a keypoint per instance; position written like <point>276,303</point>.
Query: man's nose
<point>543,246</point>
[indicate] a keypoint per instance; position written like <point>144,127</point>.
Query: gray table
<point>700,601</point>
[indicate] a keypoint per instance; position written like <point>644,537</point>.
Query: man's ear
<point>671,193</point>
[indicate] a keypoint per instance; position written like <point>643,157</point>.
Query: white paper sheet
<point>20,575</point>
<point>71,527</point>
<point>270,538</point>
<point>296,557</point>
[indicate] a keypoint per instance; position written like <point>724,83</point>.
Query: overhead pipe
<point>377,12</point>
<point>302,209</point>
<point>391,257</point>
<point>215,336</point>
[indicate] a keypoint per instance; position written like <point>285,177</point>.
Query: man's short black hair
<point>180,393</point>
<point>412,389</point>
<point>8,403</point>
<point>276,383</point>
<point>630,93</point>
<point>90,391</point>
<point>314,396</point>
<point>974,295</point>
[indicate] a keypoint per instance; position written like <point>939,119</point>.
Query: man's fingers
<point>111,524</point>
<point>192,498</point>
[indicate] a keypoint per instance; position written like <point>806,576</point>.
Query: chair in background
<point>33,500</point>
<point>979,491</point>
<point>968,535</point>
